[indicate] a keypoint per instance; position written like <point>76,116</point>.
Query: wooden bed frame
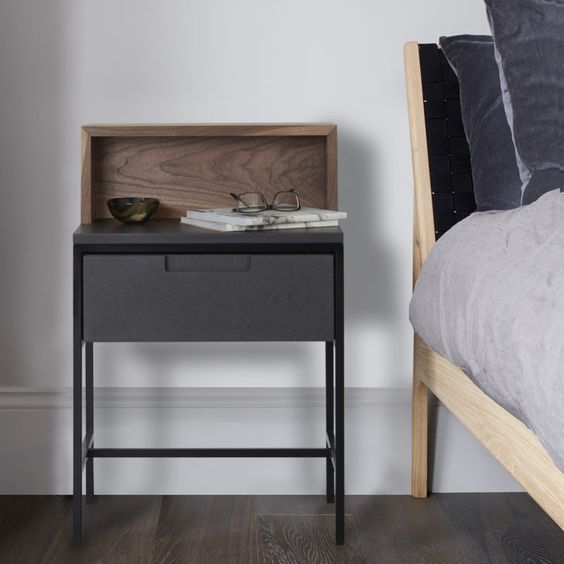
<point>513,444</point>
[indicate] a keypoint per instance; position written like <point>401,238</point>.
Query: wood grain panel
<point>402,529</point>
<point>190,166</point>
<point>288,539</point>
<point>446,528</point>
<point>206,529</point>
<point>513,444</point>
<point>423,240</point>
<point>28,525</point>
<point>423,222</point>
<point>117,529</point>
<point>210,130</point>
<point>198,172</point>
<point>293,505</point>
<point>419,433</point>
<point>503,527</point>
<point>332,197</point>
<point>86,200</point>
<point>456,528</point>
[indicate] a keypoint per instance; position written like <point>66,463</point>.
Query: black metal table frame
<point>84,451</point>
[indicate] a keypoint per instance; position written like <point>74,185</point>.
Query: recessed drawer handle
<point>208,263</point>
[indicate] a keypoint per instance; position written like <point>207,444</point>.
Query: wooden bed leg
<point>420,432</point>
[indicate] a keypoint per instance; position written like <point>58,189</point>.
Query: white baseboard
<point>36,433</point>
<point>189,398</point>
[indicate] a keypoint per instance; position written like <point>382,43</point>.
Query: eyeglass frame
<point>237,198</point>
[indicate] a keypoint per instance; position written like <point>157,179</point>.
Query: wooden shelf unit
<point>197,166</point>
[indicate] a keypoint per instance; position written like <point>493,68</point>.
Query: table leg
<point>329,416</point>
<point>339,400</point>
<point>89,363</point>
<point>77,398</point>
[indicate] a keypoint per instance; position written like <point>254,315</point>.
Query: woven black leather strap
<point>449,155</point>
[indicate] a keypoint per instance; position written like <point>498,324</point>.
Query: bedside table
<point>165,281</point>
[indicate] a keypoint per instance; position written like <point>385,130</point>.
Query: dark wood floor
<point>450,528</point>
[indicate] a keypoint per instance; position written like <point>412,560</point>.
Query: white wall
<point>68,62</point>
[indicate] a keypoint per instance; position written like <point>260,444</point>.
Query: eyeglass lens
<point>286,201</point>
<point>251,202</point>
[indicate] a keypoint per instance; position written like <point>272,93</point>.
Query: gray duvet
<point>490,298</point>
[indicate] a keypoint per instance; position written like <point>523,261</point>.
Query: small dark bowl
<point>133,210</point>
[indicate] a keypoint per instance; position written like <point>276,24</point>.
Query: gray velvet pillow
<point>495,173</point>
<point>529,40</point>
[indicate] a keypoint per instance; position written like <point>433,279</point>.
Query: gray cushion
<point>529,39</point>
<point>497,185</point>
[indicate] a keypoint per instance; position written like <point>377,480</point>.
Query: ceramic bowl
<point>133,210</point>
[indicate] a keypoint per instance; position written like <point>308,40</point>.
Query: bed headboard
<point>443,189</point>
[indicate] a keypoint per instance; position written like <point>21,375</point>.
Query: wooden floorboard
<point>452,528</point>
<point>401,529</point>
<point>28,525</point>
<point>293,505</point>
<point>445,528</point>
<point>505,526</point>
<point>206,529</point>
<point>116,529</point>
<point>307,539</point>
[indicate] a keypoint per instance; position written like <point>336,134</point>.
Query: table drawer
<point>195,297</point>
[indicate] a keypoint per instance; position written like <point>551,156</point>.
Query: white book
<point>226,227</point>
<point>267,217</point>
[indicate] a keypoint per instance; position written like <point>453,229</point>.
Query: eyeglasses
<point>254,202</point>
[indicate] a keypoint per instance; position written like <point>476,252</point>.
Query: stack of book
<point>225,219</point>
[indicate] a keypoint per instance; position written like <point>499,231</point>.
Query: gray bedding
<point>490,298</point>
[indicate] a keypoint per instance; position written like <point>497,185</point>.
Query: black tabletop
<point>171,231</point>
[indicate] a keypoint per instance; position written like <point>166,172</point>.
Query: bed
<point>432,98</point>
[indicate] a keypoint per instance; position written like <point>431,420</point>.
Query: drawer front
<point>208,297</point>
